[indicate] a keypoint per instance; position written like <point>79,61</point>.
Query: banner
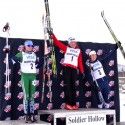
<point>11,104</point>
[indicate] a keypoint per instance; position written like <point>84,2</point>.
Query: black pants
<point>70,77</point>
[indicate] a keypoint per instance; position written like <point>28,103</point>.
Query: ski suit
<point>72,61</point>
<point>28,77</point>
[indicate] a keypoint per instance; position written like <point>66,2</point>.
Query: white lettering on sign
<point>90,119</point>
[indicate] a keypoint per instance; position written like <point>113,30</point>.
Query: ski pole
<point>6,29</point>
<point>113,34</point>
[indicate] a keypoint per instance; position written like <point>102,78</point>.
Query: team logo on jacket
<point>20,107</point>
<point>7,96</point>
<point>36,106</point>
<point>111,63</point>
<point>20,95</point>
<point>7,108</point>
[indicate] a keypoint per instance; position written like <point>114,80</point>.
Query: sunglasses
<point>30,45</point>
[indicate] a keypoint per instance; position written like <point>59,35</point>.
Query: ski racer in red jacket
<point>72,62</point>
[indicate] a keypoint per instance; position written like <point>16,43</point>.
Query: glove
<point>49,30</point>
<point>118,44</point>
<point>6,50</point>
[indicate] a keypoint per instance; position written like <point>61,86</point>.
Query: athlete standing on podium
<point>100,78</point>
<point>72,62</point>
<point>28,60</point>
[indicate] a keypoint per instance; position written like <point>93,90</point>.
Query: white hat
<point>93,52</point>
<point>70,39</point>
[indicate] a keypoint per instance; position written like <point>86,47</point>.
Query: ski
<point>113,34</point>
<point>45,57</point>
<point>47,13</point>
<point>49,54</point>
<point>52,55</point>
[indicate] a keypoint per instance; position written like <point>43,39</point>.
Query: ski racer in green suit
<point>28,59</point>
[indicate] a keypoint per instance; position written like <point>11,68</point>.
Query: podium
<point>81,116</point>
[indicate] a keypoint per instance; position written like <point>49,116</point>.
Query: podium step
<point>82,116</point>
<point>120,123</point>
<point>21,122</point>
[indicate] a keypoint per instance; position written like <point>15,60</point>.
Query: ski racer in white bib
<point>100,80</point>
<point>72,61</point>
<point>27,60</point>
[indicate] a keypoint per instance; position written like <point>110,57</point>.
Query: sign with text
<point>86,119</point>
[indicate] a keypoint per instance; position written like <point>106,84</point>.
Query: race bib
<point>71,57</point>
<point>97,70</point>
<point>28,63</point>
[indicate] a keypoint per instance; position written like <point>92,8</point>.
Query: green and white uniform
<point>28,77</point>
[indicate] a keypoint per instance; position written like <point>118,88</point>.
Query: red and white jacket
<point>72,57</point>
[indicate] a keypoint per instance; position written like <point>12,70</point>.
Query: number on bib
<point>31,65</point>
<point>99,72</point>
<point>72,59</point>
